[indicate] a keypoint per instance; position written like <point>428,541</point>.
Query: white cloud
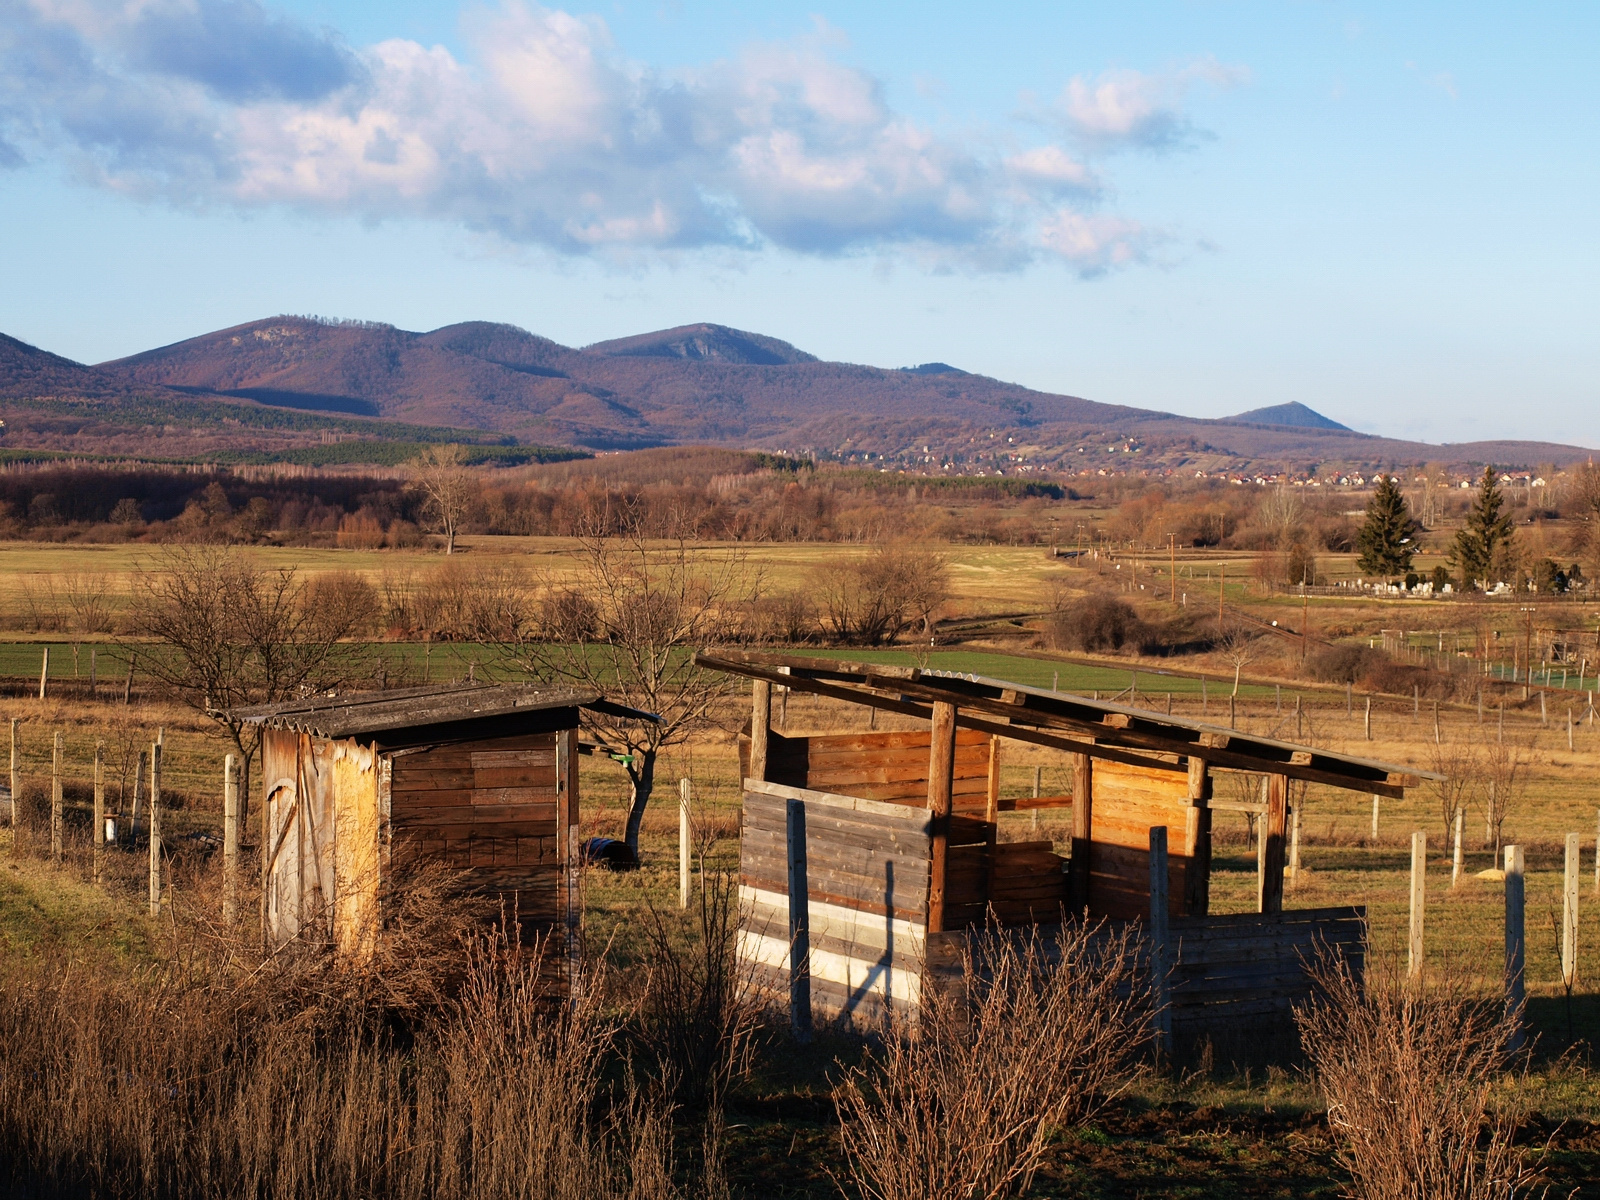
<point>545,135</point>
<point>1125,107</point>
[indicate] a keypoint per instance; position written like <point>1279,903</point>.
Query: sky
<point>1384,211</point>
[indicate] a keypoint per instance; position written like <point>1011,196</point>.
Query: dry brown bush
<point>1407,1070</point>
<point>1047,1030</point>
<point>289,1077</point>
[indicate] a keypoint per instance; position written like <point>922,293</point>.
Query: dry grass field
<point>1224,1133</point>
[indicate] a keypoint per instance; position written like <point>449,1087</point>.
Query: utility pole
<point>1222,576</point>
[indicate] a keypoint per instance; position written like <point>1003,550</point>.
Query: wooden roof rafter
<point>1101,729</point>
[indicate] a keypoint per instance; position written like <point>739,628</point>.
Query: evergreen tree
<point>1388,538</point>
<point>1482,540</point>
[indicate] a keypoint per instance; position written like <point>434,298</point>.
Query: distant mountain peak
<point>933,368</point>
<point>705,343</point>
<point>1293,414</point>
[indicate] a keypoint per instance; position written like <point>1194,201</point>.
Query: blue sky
<point>1384,211</point>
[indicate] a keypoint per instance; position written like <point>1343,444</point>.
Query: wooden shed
<point>896,837</point>
<point>359,788</point>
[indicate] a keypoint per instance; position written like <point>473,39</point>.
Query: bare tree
<point>1240,646</point>
<point>627,625</point>
<point>1462,767</point>
<point>231,634</point>
<point>877,598</point>
<point>449,486</point>
<point>1505,763</point>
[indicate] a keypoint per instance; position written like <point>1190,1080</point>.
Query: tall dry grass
<point>963,1104</point>
<point>1408,1071</point>
<point>287,1079</point>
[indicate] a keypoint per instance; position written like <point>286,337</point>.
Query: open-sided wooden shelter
<point>899,856</point>
<point>359,788</point>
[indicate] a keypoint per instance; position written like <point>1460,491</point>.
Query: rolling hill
<point>694,384</point>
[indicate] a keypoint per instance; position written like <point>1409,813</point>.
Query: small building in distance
<point>359,789</point>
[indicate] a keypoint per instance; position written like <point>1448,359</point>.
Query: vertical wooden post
<point>760,726</point>
<point>1455,853</point>
<point>127,688</point>
<point>1419,898</point>
<point>1205,700</point>
<point>684,865</point>
<point>230,842</point>
<point>799,924</point>
<point>1082,824</point>
<point>570,845</point>
<point>1375,802</point>
<point>1158,936</point>
<point>941,769</point>
<point>94,691</point>
<point>1271,898</point>
<point>56,801</point>
<point>1416,702</point>
<point>155,830</point>
<point>44,672</point>
<point>1197,874</point>
<point>1515,943</point>
<point>1438,738</point>
<point>1544,716</point>
<point>991,808</point>
<point>1368,724</point>
<point>16,781</point>
<point>1569,913</point>
<point>99,807</point>
<point>1038,773</point>
<point>1294,845</point>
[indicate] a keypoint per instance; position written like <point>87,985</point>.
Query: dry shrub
<point>1098,622</point>
<point>701,1012</point>
<point>1046,1031</point>
<point>258,1083</point>
<point>1407,1071</point>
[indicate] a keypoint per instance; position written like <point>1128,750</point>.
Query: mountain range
<point>704,384</point>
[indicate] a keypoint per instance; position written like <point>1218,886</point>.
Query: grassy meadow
<point>1228,1132</point>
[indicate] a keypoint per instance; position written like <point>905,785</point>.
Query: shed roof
<point>1099,728</point>
<point>395,715</point>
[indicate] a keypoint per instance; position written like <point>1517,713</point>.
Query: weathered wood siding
<point>1128,801</point>
<point>323,831</point>
<point>489,808</point>
<point>868,865</point>
<point>888,766</point>
<point>1234,980</point>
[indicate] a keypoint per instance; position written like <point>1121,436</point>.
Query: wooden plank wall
<point>1235,979</point>
<point>889,766</point>
<point>1128,800</point>
<point>489,808</point>
<point>868,865</point>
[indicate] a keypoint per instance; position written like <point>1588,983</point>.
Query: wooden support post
<point>1368,725</point>
<point>230,842</point>
<point>1294,845</point>
<point>941,770</point>
<point>1516,945</point>
<point>44,672</point>
<point>1038,772</point>
<point>127,688</point>
<point>1544,716</point>
<point>1569,729</point>
<point>1082,814</point>
<point>799,924</point>
<point>57,806</point>
<point>1272,863</point>
<point>155,830</point>
<point>1159,965</point>
<point>1055,681</point>
<point>570,846</point>
<point>99,807</point>
<point>1197,877</point>
<point>1569,913</point>
<point>16,781</point>
<point>760,727</point>
<point>1455,852</point>
<point>1437,737</point>
<point>1375,803</point>
<point>991,808</point>
<point>1419,898</point>
<point>1277,693</point>
<point>684,833</point>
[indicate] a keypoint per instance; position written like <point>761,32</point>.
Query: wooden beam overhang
<point>1064,721</point>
